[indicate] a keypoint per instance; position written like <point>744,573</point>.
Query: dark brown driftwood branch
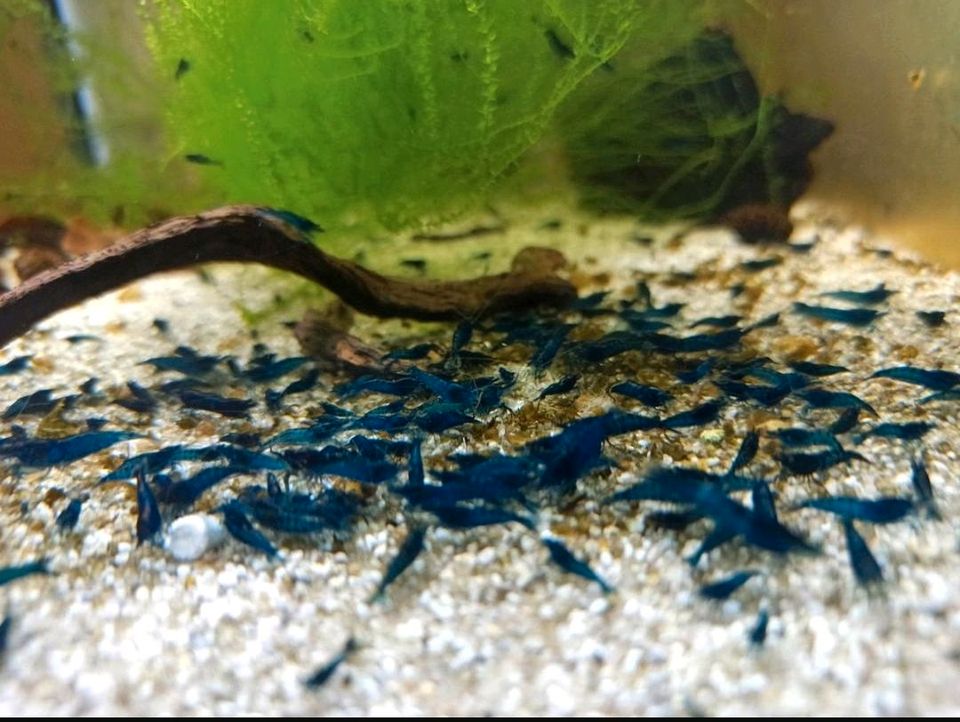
<point>247,234</point>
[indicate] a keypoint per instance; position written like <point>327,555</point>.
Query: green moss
<point>396,111</point>
<point>380,114</point>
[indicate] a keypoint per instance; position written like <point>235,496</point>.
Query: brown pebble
<point>83,237</point>
<point>796,348</point>
<point>581,280</point>
<point>862,344</point>
<point>205,428</point>
<point>759,223</point>
<point>34,260</point>
<point>538,260</point>
<point>54,426</point>
<point>129,294</point>
<point>31,231</point>
<point>53,496</point>
<point>762,419</point>
<point>750,295</point>
<point>675,242</point>
<point>41,365</point>
<point>906,353</point>
<point>231,344</point>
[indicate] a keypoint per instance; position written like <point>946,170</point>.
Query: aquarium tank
<point>487,357</point>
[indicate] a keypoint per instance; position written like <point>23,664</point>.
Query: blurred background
<point>103,100</point>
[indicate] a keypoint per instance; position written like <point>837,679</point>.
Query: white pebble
<point>96,543</point>
<point>190,536</point>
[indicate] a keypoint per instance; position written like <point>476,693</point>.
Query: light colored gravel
<point>482,623</point>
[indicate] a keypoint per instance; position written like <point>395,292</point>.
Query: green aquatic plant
<point>394,114</point>
<point>387,114</point>
<point>400,111</point>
